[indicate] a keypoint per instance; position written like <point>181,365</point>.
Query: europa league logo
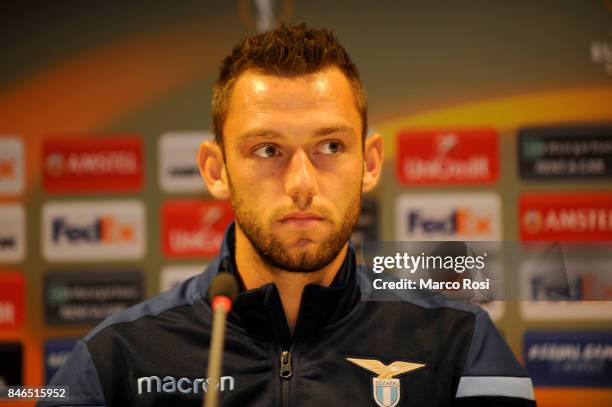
<point>264,15</point>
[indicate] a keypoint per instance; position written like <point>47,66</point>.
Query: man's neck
<point>255,273</point>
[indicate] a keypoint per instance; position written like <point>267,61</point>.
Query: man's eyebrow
<point>258,133</point>
<point>271,134</point>
<point>326,131</point>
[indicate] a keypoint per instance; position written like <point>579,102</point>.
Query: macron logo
<point>185,385</point>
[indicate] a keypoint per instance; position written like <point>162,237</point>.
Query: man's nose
<point>300,182</point>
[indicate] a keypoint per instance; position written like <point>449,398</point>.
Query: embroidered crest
<point>386,389</point>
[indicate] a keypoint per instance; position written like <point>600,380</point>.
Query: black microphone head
<point>223,284</point>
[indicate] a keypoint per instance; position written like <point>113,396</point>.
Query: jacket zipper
<point>286,371</point>
<point>285,348</point>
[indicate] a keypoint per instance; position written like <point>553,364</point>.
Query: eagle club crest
<point>386,389</point>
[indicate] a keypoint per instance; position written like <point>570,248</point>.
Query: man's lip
<point>301,216</point>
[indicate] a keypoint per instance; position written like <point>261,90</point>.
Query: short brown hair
<point>285,51</point>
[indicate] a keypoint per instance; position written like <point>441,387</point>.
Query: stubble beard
<point>276,254</point>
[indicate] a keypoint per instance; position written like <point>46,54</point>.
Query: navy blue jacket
<point>344,351</point>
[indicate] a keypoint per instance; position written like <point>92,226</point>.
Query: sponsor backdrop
<point>497,119</point>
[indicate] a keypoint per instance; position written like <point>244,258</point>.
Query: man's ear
<point>372,162</point>
<point>212,169</point>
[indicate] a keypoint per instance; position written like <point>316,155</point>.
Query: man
<point>291,153</point>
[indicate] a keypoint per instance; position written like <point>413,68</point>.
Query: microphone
<point>221,292</point>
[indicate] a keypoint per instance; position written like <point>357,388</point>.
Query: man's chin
<point>303,252</point>
<point>300,244</point>
<point>301,256</point>
<point>304,264</point>
<point>296,250</point>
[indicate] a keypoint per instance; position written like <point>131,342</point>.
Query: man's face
<point>294,162</point>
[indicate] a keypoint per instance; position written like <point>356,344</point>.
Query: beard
<point>277,254</point>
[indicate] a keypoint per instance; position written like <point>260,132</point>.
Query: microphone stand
<point>221,305</point>
<point>221,292</point>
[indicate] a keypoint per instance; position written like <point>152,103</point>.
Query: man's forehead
<point>324,82</point>
<point>310,76</point>
<point>325,95</point>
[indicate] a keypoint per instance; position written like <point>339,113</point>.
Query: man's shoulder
<point>415,299</point>
<point>433,313</point>
<point>186,294</point>
<point>438,301</point>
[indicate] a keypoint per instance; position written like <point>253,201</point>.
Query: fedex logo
<point>565,286</point>
<point>449,217</point>
<point>461,221</point>
<point>104,230</point>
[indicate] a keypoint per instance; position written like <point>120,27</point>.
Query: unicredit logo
<point>475,167</point>
<point>461,156</point>
<point>197,240</point>
<point>104,229</point>
<point>194,227</point>
<point>461,221</point>
<point>206,238</point>
<point>444,166</point>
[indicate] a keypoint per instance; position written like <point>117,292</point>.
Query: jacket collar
<point>260,309</point>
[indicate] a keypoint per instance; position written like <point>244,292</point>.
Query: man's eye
<point>267,151</point>
<point>331,147</point>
